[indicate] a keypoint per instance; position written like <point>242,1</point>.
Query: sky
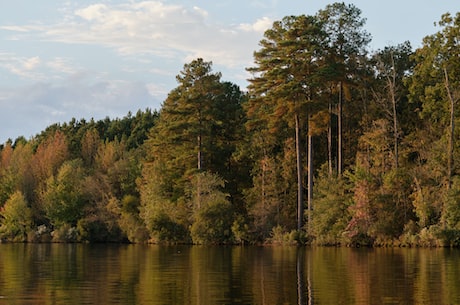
<point>103,58</point>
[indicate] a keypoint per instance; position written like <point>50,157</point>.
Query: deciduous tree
<point>16,218</point>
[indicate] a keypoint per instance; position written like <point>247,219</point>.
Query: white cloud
<point>15,28</point>
<point>35,68</point>
<point>92,12</point>
<point>260,26</point>
<point>201,11</point>
<point>154,27</point>
<point>63,65</point>
<point>153,39</point>
<point>31,63</point>
<point>30,109</point>
<point>21,66</point>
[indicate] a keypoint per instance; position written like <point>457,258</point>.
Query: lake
<point>152,274</point>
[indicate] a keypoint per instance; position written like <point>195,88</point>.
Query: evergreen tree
<point>346,42</point>
<point>284,87</point>
<point>195,133</point>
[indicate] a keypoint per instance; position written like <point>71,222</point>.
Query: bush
<point>213,224</point>
<point>65,233</point>
<point>93,229</point>
<point>450,237</point>
<point>165,229</point>
<point>240,230</point>
<point>280,236</point>
<point>428,237</point>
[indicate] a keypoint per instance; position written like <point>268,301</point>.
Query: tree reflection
<point>142,274</point>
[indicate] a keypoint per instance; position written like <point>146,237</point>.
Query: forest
<point>330,144</point>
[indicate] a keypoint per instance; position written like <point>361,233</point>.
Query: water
<point>149,274</point>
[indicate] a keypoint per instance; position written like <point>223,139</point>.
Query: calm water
<point>141,274</point>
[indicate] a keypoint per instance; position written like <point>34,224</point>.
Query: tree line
<point>331,144</point>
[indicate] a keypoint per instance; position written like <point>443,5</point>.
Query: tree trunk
<point>310,177</point>
<point>450,144</point>
<point>199,160</point>
<point>392,87</point>
<point>329,142</point>
<point>395,132</point>
<point>200,156</point>
<point>200,140</point>
<point>300,208</point>
<point>339,131</point>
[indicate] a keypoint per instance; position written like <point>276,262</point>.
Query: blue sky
<point>91,59</point>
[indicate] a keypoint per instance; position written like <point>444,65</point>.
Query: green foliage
<point>393,208</point>
<point>451,213</point>
<point>130,221</point>
<point>98,229</point>
<point>65,233</point>
<point>279,236</point>
<point>240,230</point>
<point>64,197</point>
<point>427,204</point>
<point>163,216</point>
<point>330,212</point>
<point>212,211</point>
<point>450,219</point>
<point>216,165</point>
<point>213,224</point>
<point>16,218</point>
<point>165,229</point>
<point>271,200</point>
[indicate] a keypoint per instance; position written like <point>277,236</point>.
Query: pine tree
<point>284,85</point>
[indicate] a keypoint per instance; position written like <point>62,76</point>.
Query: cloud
<point>63,65</point>
<point>154,28</point>
<point>21,66</point>
<point>31,63</point>
<point>260,26</point>
<point>92,12</point>
<point>14,28</point>
<point>35,68</point>
<point>30,109</point>
<point>151,39</point>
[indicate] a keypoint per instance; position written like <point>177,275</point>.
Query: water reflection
<point>137,274</point>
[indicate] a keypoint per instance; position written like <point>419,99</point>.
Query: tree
<point>194,100</point>
<point>51,153</point>
<point>16,218</point>
<point>212,211</point>
<point>381,191</point>
<point>89,146</point>
<point>393,64</point>
<point>345,52</point>
<point>196,132</point>
<point>166,217</point>
<point>436,81</point>
<point>434,85</point>
<point>64,197</point>
<point>15,173</point>
<point>227,136</point>
<point>182,138</point>
<point>331,214</point>
<point>285,82</point>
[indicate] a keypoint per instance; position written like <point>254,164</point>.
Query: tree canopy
<point>331,144</point>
